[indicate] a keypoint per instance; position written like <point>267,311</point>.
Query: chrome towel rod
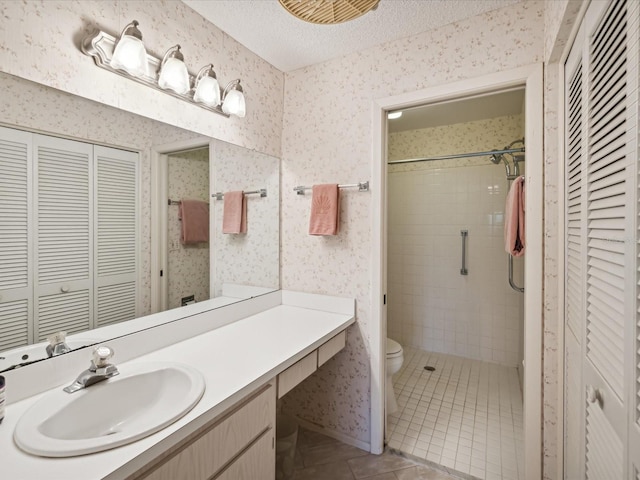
<point>174,202</point>
<point>362,187</point>
<point>261,191</point>
<point>458,155</point>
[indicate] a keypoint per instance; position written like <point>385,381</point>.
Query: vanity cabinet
<point>239,445</point>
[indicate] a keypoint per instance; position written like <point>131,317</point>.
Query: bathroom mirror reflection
<point>91,222</point>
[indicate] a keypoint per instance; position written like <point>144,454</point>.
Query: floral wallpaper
<point>188,265</point>
<point>482,135</point>
<point>327,138</point>
<point>430,305</point>
<point>560,17</point>
<point>324,135</point>
<point>251,258</point>
<point>55,59</point>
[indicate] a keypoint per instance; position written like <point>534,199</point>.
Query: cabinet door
<point>16,281</point>
<point>63,223</point>
<point>116,235</point>
<point>257,463</point>
<point>222,443</point>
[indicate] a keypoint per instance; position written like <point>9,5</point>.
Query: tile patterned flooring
<point>319,457</point>
<point>465,416</point>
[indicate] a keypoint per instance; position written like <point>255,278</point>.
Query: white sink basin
<point>140,401</point>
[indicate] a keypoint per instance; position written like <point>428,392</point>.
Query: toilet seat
<point>394,349</point>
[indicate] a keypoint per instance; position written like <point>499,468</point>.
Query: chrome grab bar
<point>511,282</point>
<point>463,235</point>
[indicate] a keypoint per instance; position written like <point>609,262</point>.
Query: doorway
<point>187,270</point>
<point>180,170</point>
<point>453,301</point>
<point>529,78</point>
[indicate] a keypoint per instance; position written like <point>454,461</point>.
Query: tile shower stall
<point>469,327</point>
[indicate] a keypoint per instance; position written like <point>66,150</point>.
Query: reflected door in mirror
<point>68,236</point>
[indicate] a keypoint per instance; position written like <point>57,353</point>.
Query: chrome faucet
<point>57,344</point>
<point>99,370</point>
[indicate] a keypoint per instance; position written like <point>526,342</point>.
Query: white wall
<point>327,137</point>
<point>430,304</point>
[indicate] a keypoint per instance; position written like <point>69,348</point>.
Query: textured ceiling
<point>267,29</point>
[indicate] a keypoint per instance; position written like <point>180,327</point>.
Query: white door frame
<point>159,210</point>
<point>530,77</point>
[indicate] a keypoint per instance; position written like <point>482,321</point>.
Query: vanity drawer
<point>296,373</point>
<point>331,347</point>
<point>258,462</point>
<point>222,442</point>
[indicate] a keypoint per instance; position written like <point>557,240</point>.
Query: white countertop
<point>234,359</point>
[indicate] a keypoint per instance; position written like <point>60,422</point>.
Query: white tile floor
<point>465,416</point>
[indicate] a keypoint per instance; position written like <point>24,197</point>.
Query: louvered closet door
<point>63,217</point>
<point>633,332</point>
<point>612,152</point>
<point>575,261</point>
<point>116,235</point>
<point>15,239</point>
<point>601,241</point>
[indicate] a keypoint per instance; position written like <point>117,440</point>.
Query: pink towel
<point>514,219</point>
<point>234,214</point>
<point>195,221</point>
<point>325,210</point>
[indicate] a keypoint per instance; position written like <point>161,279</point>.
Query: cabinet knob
<point>594,394</point>
<point>65,288</point>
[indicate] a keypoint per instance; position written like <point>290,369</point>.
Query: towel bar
<point>262,192</point>
<point>362,187</point>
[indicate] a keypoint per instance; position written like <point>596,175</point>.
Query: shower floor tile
<point>466,415</point>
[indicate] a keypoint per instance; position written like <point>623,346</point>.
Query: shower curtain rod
<point>459,155</point>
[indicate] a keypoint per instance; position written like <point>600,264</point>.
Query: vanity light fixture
<point>173,74</point>
<point>207,89</point>
<point>130,54</point>
<point>127,57</point>
<point>233,99</point>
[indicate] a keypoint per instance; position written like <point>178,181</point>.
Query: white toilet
<point>395,358</point>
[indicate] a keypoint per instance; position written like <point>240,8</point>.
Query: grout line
<point>479,398</point>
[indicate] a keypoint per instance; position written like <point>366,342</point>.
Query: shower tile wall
<point>431,305</point>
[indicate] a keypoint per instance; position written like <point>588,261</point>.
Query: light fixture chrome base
<point>100,46</point>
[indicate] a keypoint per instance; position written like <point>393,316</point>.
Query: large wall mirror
<point>93,237</point>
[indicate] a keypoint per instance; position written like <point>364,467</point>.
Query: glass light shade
<point>174,76</point>
<point>130,56</point>
<point>234,104</point>
<point>208,91</point>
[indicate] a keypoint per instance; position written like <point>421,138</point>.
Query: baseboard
<point>334,434</point>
